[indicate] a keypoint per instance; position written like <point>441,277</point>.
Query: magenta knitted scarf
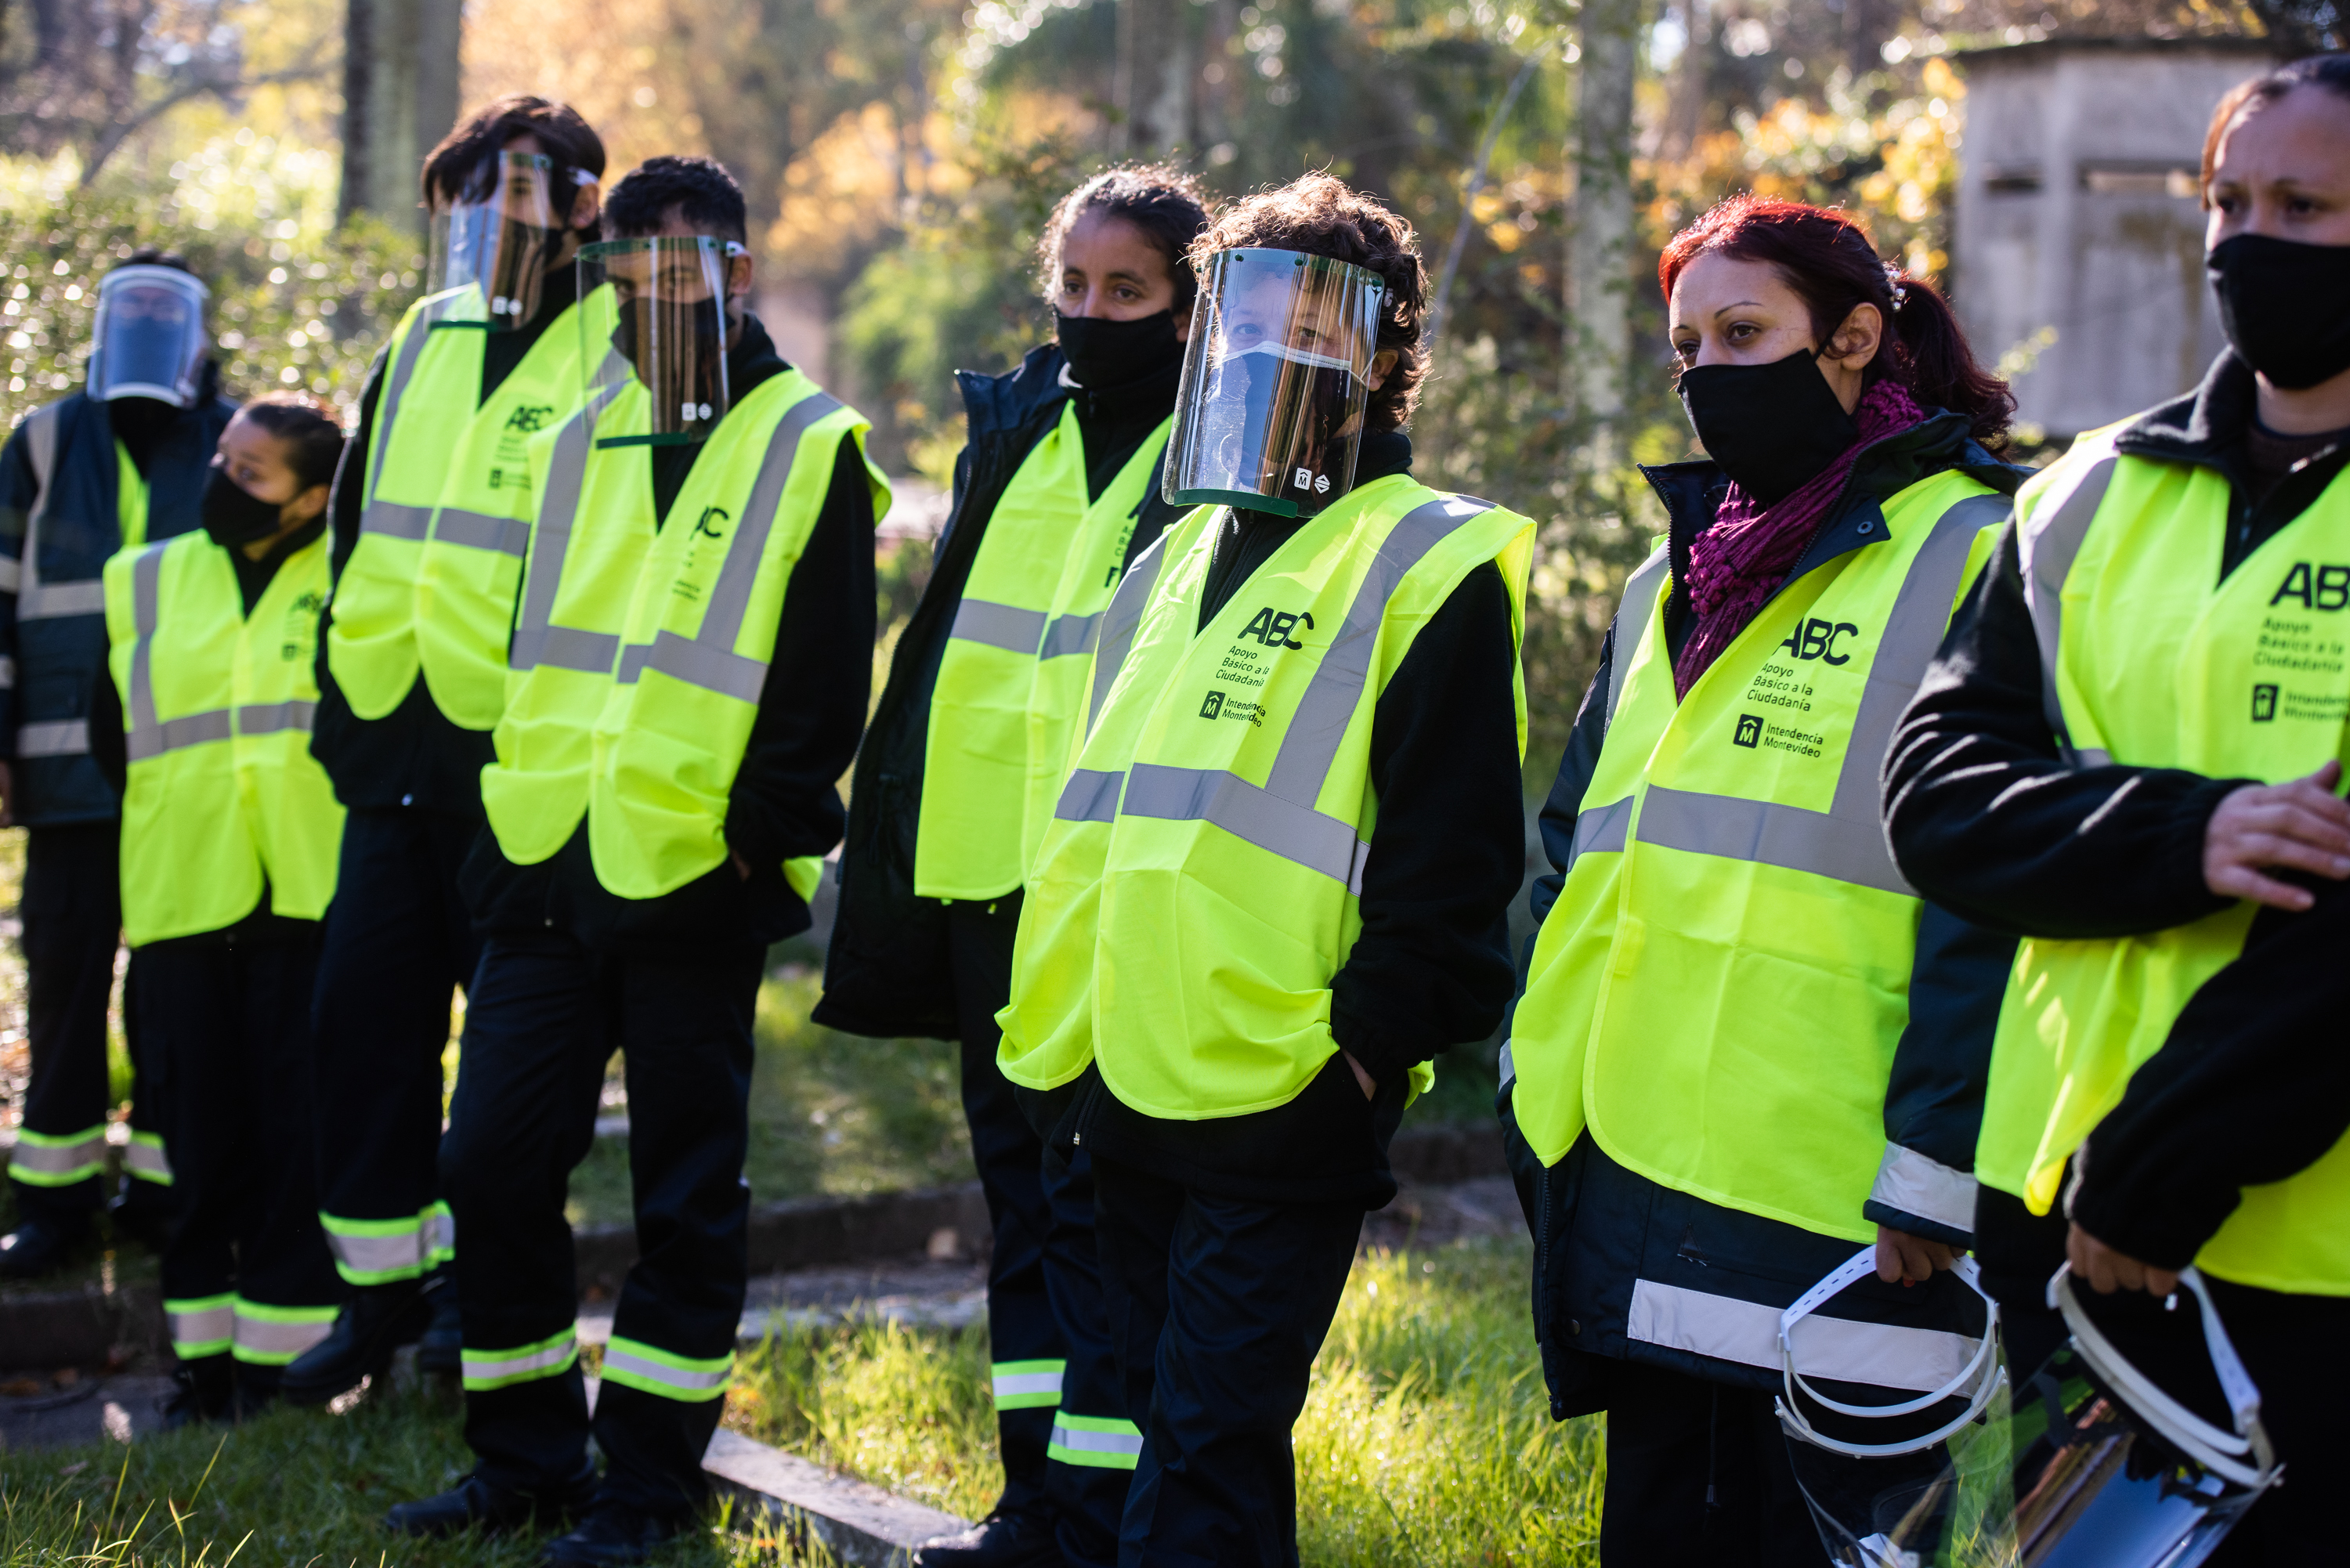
<point>1739,561</point>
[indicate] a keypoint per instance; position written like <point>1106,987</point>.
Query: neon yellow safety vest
<point>222,793</point>
<point>640,655</point>
<point>1003,707</point>
<point>1719,990</point>
<point>1198,885</point>
<point>447,505</point>
<point>2151,660</point>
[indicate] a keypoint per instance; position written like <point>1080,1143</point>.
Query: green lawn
<point>1425,1442</point>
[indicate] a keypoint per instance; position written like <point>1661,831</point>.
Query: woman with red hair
<point>1695,1085</point>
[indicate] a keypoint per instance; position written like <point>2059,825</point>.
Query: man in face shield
<point>122,461</point>
<point>692,654</point>
<point>1273,884</point>
<point>430,510</point>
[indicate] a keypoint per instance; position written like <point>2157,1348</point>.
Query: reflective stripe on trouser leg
<point>379,1252</point>
<point>1097,1442</point>
<point>635,1364</point>
<point>1027,1385</point>
<point>550,1357</point>
<point>144,1158</point>
<point>48,1159</point>
<point>204,1325</point>
<point>273,1335</point>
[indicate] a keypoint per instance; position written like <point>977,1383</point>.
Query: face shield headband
<point>149,339</point>
<point>660,304</point>
<point>500,237</point>
<point>1275,379</point>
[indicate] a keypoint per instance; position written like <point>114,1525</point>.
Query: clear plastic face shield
<point>500,235</point>
<point>1275,378</point>
<point>149,339</point>
<point>2139,1444</point>
<point>1897,1425</point>
<point>667,316</point>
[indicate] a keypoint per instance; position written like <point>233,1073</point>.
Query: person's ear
<point>1183,314</point>
<point>308,505</point>
<point>738,275</point>
<point>1855,343</point>
<point>1383,364</point>
<point>586,206</point>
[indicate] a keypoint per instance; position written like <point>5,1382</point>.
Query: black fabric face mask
<point>232,515</point>
<point>1104,353</point>
<point>1771,427</point>
<point>2285,306</point>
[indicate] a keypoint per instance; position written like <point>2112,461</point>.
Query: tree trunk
<point>1685,105</point>
<point>1152,88</point>
<point>400,97</point>
<point>1599,242</point>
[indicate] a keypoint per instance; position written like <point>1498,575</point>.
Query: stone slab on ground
<point>120,1407</point>
<point>916,1291</point>
<point>809,1232</point>
<point>85,1326</point>
<point>807,1505</point>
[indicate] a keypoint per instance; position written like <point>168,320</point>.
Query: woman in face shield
<point>1695,1088</point>
<point>1056,493</point>
<point>1271,889</point>
<point>2129,753</point>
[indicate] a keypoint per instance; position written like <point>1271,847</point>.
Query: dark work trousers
<point>1024,1342</point>
<point>1094,1441</point>
<point>72,915</point>
<point>544,1017</point>
<point>398,940</point>
<point>1698,1475</point>
<point>1218,1307</point>
<point>226,1024</point>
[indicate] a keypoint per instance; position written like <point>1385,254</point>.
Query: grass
<point>1425,1441</point>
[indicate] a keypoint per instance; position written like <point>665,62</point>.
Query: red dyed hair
<point>1828,258</point>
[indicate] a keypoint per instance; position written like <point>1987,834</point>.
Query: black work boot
<point>1021,1539</point>
<point>207,1392</point>
<point>474,1502</point>
<point>38,1246</point>
<point>613,1534</point>
<point>442,1349</point>
<point>373,1324</point>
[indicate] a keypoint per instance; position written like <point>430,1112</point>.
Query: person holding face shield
<point>2129,754</point>
<point>117,464</point>
<point>1055,494</point>
<point>430,512</point>
<point>1732,1208</point>
<point>1272,888</point>
<point>690,660</point>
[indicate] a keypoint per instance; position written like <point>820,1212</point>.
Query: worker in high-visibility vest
<point>428,515</point>
<point>229,835</point>
<point>1056,493</point>
<point>692,656</point>
<point>2130,754</point>
<point>1695,1085</point>
<point>1272,885</point>
<point>120,462</point>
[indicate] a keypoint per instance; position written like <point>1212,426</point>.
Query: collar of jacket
<point>996,405</point>
<point>1692,494</point>
<point>2206,425</point>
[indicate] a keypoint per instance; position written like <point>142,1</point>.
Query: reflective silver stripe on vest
<point>1633,612</point>
<point>1884,1355</point>
<point>37,600</point>
<point>11,575</point>
<point>2047,550</point>
<point>1122,620</point>
<point>479,531</point>
<point>53,738</point>
<point>147,738</point>
<point>1846,842</point>
<point>53,601</point>
<point>708,659</point>
<point>269,718</point>
<point>1918,1184</point>
<point>393,518</point>
<point>1007,627</point>
<point>1601,830</point>
<point>1070,634</point>
<point>1279,816</point>
<point>1090,796</point>
<point>536,639</point>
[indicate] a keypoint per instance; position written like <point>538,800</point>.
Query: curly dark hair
<point>1323,216</point>
<point>1169,206</point>
<point>307,425</point>
<point>704,194</point>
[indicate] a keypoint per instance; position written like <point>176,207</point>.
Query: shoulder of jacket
<point>1005,401</point>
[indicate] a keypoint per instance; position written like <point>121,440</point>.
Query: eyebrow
<point>1738,305</point>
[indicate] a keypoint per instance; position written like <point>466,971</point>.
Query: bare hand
<point>1370,1085</point>
<point>1906,1258</point>
<point>741,867</point>
<point>2107,1270</point>
<point>8,796</point>
<point>2302,824</point>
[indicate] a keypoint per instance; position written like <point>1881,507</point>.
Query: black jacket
<point>1986,814</point>
<point>887,972</point>
<point>784,802</point>
<point>1599,1227</point>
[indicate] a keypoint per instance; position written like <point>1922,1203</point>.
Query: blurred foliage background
<point>900,154</point>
